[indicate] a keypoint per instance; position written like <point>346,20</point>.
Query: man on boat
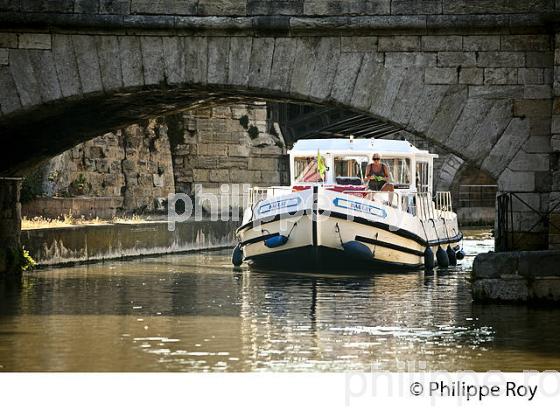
<point>377,176</point>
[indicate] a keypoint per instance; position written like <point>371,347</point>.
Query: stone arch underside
<point>85,85</point>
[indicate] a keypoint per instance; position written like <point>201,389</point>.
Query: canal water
<point>194,312</point>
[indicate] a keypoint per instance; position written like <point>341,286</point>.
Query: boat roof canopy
<point>358,146</point>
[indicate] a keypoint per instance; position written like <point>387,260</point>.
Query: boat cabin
<point>343,162</point>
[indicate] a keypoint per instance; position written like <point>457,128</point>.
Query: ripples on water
<point>195,312</point>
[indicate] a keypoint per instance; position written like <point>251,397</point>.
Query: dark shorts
<point>375,185</point>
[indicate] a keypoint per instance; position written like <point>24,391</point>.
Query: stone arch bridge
<point>476,77</point>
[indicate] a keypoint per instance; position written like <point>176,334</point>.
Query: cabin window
<point>305,170</point>
<point>422,177</point>
<point>349,170</point>
<point>399,171</point>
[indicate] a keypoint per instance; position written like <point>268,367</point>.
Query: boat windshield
<point>399,170</point>
<point>350,170</point>
<point>305,169</point>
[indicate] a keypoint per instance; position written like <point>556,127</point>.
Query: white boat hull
<point>318,222</point>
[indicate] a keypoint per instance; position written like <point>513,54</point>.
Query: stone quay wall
<point>86,207</point>
<point>517,277</point>
<point>88,243</point>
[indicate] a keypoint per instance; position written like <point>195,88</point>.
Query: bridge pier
<point>554,206</point>
<point>526,178</point>
<point>10,225</point>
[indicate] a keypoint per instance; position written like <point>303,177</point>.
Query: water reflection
<point>196,313</point>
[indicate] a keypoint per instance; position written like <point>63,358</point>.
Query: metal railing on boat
<point>420,204</point>
<point>443,201</point>
<point>257,194</point>
<point>424,206</point>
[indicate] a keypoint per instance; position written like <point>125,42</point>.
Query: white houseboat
<point>330,215</point>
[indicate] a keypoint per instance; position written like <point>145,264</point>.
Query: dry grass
<point>128,219</point>
<point>40,222</point>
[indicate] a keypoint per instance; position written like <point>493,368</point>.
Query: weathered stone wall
<point>473,191</point>
<point>445,175</point>
<point>476,216</point>
<point>501,117</point>
<point>517,277</point>
<point>280,7</point>
<point>133,163</point>
<point>77,207</point>
<point>225,144</point>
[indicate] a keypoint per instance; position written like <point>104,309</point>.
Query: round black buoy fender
<point>460,255</point>
<point>429,259</point>
<point>357,250</point>
<point>451,256</point>
<point>237,255</point>
<point>441,257</point>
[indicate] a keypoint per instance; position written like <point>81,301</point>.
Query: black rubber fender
<point>441,257</point>
<point>429,262</point>
<point>237,255</point>
<point>357,250</point>
<point>451,256</point>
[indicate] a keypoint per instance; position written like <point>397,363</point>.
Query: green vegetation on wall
<point>79,186</point>
<point>253,132</point>
<point>244,121</point>
<point>16,260</point>
<point>251,129</point>
<point>31,186</point>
